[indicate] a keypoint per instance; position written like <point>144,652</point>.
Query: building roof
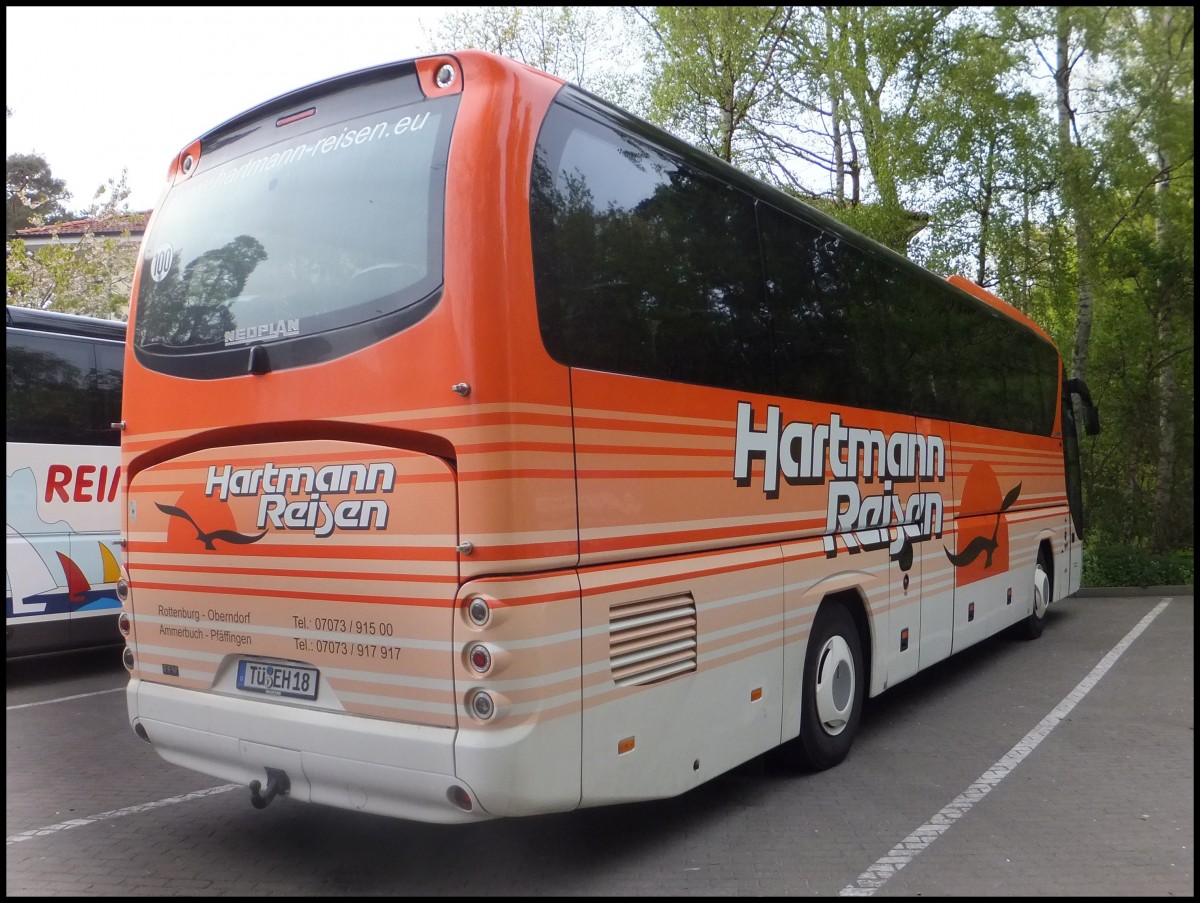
<point>134,223</point>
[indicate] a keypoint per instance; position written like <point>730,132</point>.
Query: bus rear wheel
<point>833,691</point>
<point>1043,595</point>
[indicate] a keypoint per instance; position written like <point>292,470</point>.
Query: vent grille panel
<point>652,640</point>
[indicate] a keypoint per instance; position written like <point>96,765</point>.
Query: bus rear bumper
<point>330,758</point>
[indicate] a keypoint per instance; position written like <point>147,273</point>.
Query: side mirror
<point>1091,414</point>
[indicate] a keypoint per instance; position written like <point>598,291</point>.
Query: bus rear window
<point>286,233</point>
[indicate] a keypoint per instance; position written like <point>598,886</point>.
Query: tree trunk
<point>1164,482</point>
<point>1073,195</point>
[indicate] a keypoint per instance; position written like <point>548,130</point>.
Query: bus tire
<point>833,692</point>
<point>1043,595</point>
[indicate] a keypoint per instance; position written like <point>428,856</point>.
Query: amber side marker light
<point>624,746</point>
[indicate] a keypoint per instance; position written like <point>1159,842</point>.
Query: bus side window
<point>109,367</point>
<point>48,393</point>
<point>644,265</point>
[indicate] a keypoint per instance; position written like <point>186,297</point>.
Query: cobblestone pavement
<point>1058,767</point>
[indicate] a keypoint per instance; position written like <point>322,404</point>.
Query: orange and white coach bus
<point>490,452</point>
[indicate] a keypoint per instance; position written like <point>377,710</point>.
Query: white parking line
<point>118,813</point>
<point>26,705</point>
<point>916,842</point>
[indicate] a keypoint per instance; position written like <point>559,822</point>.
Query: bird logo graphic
<point>230,536</point>
<point>984,545</point>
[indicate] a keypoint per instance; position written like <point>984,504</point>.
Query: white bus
<point>63,468</point>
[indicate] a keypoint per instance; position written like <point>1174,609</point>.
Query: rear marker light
<point>482,705</point>
<point>479,612</point>
<point>460,798</point>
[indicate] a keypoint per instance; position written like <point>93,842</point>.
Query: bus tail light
<point>127,658</point>
<point>481,658</point>
<point>123,589</point>
<point>123,623</point>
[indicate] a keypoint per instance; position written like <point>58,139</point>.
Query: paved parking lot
<point>1062,766</point>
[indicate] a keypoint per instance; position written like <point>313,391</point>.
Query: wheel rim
<point>835,685</point>
<point>1041,593</point>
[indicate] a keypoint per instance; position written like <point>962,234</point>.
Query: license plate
<point>277,680</point>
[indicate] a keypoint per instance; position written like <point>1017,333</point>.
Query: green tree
<point>981,166</point>
<point>1068,40</point>
<point>92,276</point>
<point>1145,327</point>
<point>712,79</point>
<point>881,81</point>
<point>31,192</point>
<point>584,45</point>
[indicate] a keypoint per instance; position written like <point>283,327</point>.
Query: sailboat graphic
<point>77,583</point>
<point>27,574</point>
<point>33,589</point>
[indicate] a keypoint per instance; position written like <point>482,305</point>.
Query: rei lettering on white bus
<point>318,509</point>
<point>82,483</point>
<point>812,453</point>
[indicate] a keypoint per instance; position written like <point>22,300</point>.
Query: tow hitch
<point>277,783</point>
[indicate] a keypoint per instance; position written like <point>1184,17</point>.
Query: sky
<point>96,90</point>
